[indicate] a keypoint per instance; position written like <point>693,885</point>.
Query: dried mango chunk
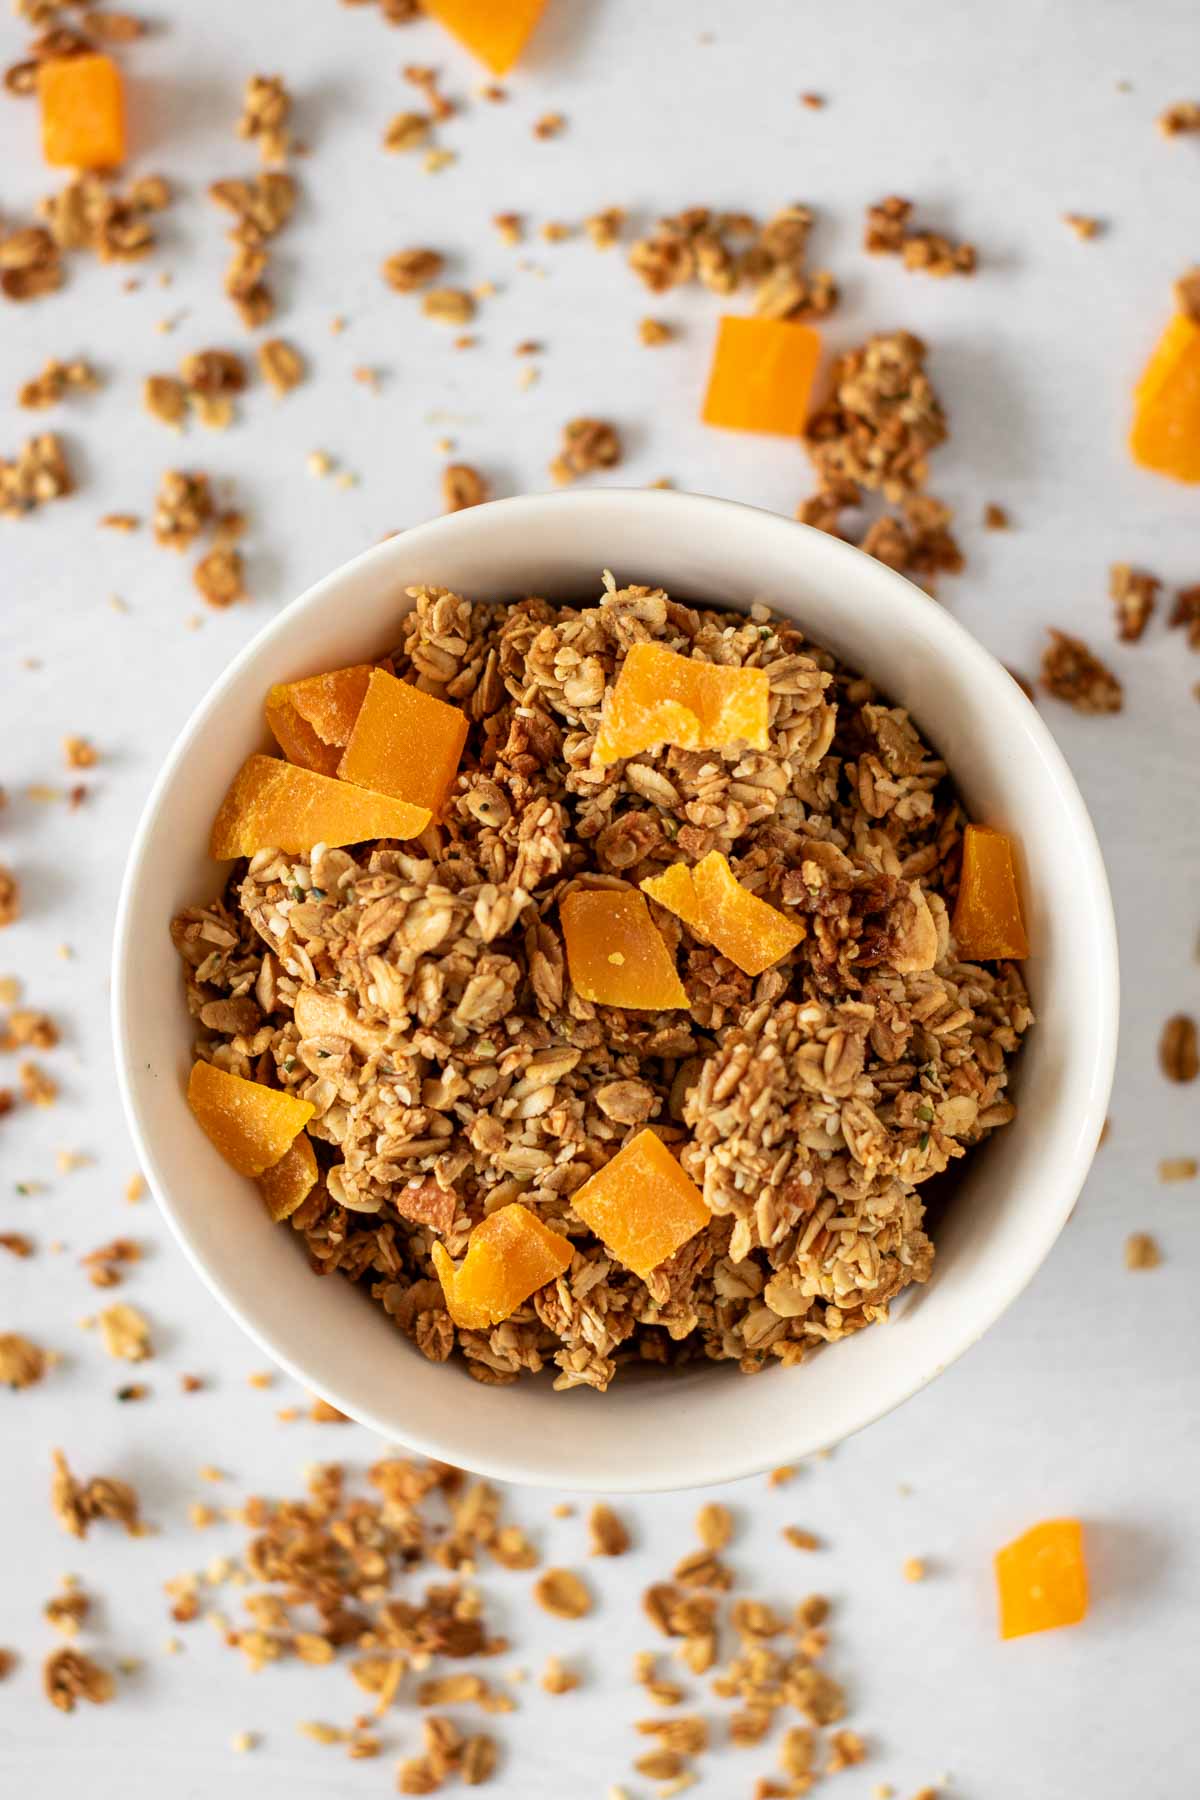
<point>987,920</point>
<point>661,697</point>
<point>405,742</point>
<point>83,112</point>
<point>312,719</point>
<point>762,375</point>
<point>510,1254</point>
<point>278,805</point>
<point>289,1182</point>
<point>615,953</point>
<point>641,1205</point>
<point>1042,1579</point>
<point>712,900</point>
<point>1166,404</point>
<point>495,31</point>
<point>251,1125</point>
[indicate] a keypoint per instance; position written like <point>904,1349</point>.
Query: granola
<point>1072,673</point>
<point>887,233</point>
<point>454,1060</point>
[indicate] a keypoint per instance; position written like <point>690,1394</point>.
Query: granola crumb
<point>56,383</point>
<point>1183,116</point>
<point>281,365</point>
<point>449,305</point>
<point>714,1526</point>
<point>608,1532</point>
<point>1179,1049</point>
<point>1072,673</point>
<point>587,444</point>
<point>318,463</point>
<point>220,576</point>
<point>604,227</point>
<point>1141,1251</point>
<point>10,897</point>
<point>814,102</point>
<point>36,475</point>
<point>1084,225</point>
<point>462,486</point>
<point>782,1475</point>
<point>800,1539</point>
<point>511,227</point>
<point>243,1741</point>
<point>557,1678</point>
<point>77,1504</point>
<point>655,332</point>
<point>550,125</point>
<point>1171,1168</point>
<point>913,1569</point>
<point>119,521</point>
<point>22,1362</point>
<point>1134,593</point>
<point>126,1333</point>
<point>996,518</point>
<point>68,1675</point>
<point>36,1086</point>
<point>887,233</point>
<point>563,1593</point>
<point>261,1378</point>
<point>79,753</point>
<point>135,1189</point>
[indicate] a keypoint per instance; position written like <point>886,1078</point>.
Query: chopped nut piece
<point>563,1593</point>
<point>1072,673</point>
<point>22,1363</point>
<point>1178,1052</point>
<point>609,1533</point>
<point>280,364</point>
<point>126,1333</point>
<point>450,306</point>
<point>407,131</point>
<point>408,270</point>
<point>1134,593</point>
<point>587,444</point>
<point>69,1675</point>
<point>462,486</point>
<point>1183,116</point>
<point>1141,1251</point>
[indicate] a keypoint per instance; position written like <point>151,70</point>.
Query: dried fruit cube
<point>1166,404</point>
<point>615,952</point>
<point>405,742</point>
<point>278,805</point>
<point>510,1254</point>
<point>661,697</point>
<point>712,900</point>
<point>312,719</point>
<point>1042,1579</point>
<point>493,30</point>
<point>83,112</point>
<point>252,1125</point>
<point>289,1182</point>
<point>641,1205</point>
<point>762,375</point>
<point>987,920</point>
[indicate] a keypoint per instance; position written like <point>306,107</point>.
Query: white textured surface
<point>1084,1398</point>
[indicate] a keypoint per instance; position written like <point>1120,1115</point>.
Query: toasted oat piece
<point>1072,673</point>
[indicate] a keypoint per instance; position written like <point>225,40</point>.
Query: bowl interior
<point>1013,1196</point>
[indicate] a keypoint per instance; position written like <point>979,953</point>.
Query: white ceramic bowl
<point>705,1423</point>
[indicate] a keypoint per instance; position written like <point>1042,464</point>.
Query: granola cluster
<point>453,1067</point>
<point>724,251</point>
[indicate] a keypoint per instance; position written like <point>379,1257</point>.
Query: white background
<point>1084,1399</point>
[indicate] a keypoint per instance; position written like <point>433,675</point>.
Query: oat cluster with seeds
<point>453,1066</point>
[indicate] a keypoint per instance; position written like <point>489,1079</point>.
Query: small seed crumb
<point>1178,1168</point>
<point>1083,225</point>
<point>913,1569</point>
<point>801,1539</point>
<point>1141,1251</point>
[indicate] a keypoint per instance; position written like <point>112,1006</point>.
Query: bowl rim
<point>960,646</point>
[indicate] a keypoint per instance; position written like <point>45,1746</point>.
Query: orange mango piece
<point>987,920</point>
<point>289,1182</point>
<point>1042,1579</point>
<point>312,719</point>
<point>762,374</point>
<point>495,31</point>
<point>1166,404</point>
<point>661,697</point>
<point>615,953</point>
<point>405,742</point>
<point>641,1205</point>
<point>712,900</point>
<point>510,1254</point>
<point>252,1125</point>
<point>278,805</point>
<point>83,112</point>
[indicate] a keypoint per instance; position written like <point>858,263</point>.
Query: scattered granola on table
<point>1134,594</point>
<point>887,233</point>
<point>1142,1251</point>
<point>69,1675</point>
<point>22,1362</point>
<point>1179,1049</point>
<point>416,1013</point>
<point>1072,673</point>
